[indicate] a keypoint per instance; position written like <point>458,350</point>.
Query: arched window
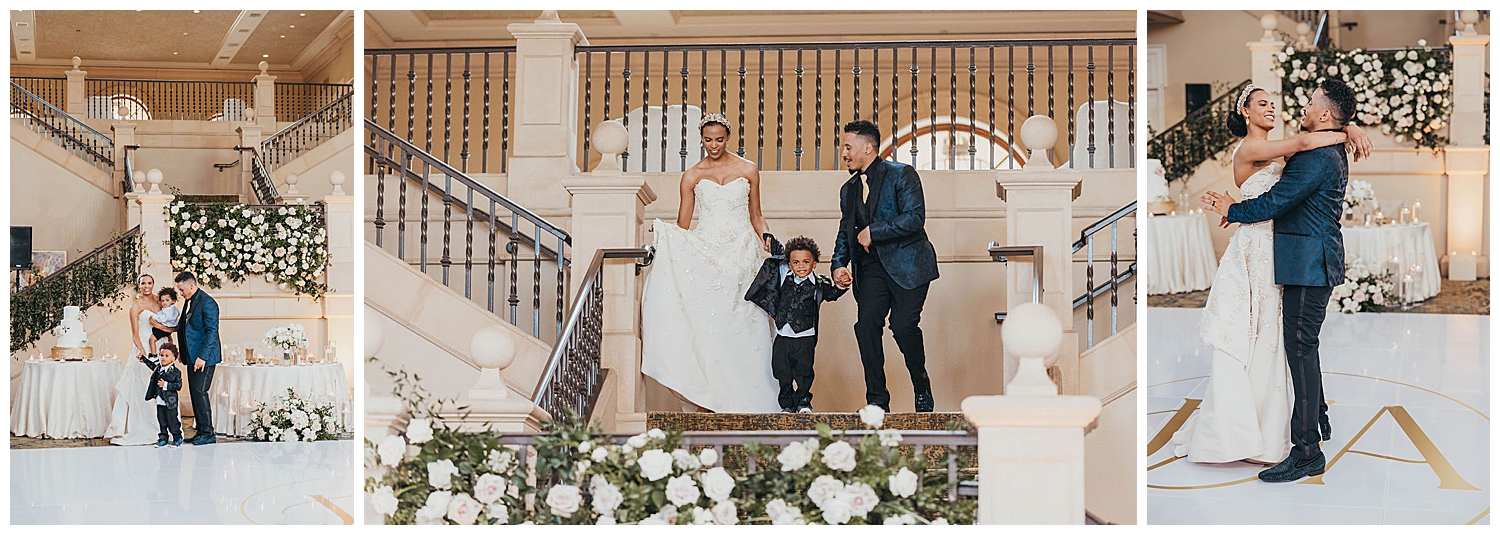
<point>954,144</point>
<point>128,108</point>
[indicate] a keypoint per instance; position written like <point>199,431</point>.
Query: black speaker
<point>20,247</point>
<point>1198,96</point>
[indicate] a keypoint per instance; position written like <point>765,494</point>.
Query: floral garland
<point>439,475</point>
<point>290,418</point>
<point>288,245</point>
<point>1363,290</point>
<point>1406,92</point>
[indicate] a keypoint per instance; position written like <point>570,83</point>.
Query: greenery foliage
<point>100,279</point>
<point>1406,93</point>
<point>1197,138</point>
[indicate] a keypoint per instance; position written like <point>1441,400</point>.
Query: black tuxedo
<point>892,277</point>
<point>168,418</point>
<point>796,306</point>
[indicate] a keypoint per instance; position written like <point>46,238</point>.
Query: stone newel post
<point>265,100</point>
<point>546,103</point>
<point>1031,449</point>
<point>1468,83</point>
<point>1468,156</point>
<point>249,138</point>
<point>77,93</point>
<point>157,260</point>
<point>608,209</point>
<point>1263,71</point>
<point>1039,211</point>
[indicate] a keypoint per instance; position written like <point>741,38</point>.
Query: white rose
<point>384,500</point>
<point>872,415</point>
<point>725,513</point>
<point>655,464</point>
<point>637,442</point>
<point>783,514</point>
<point>904,483</point>
<point>839,456</point>
<point>889,438</point>
<point>607,497</point>
<point>489,487</point>
<point>656,434</point>
<point>440,473</point>
<point>717,483</point>
<point>823,488</point>
<point>708,457</point>
<point>419,430</point>
<point>902,520</point>
<point>681,490</point>
<point>392,448</point>
<point>600,454</point>
<point>498,512</point>
<point>463,510</point>
<point>938,522</point>
<point>564,499</point>
<point>685,460</point>
<point>435,508</point>
<point>702,516</point>
<point>585,446</point>
<point>836,511</point>
<point>793,457</point>
<point>860,497</point>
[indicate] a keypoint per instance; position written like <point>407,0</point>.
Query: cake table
<point>61,399</point>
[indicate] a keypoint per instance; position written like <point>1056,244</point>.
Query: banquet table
<point>61,399</point>
<point>1412,243</point>
<point>237,388</point>
<point>1181,254</point>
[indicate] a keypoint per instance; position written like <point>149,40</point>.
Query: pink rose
<point>488,488</point>
<point>462,510</point>
<point>681,490</point>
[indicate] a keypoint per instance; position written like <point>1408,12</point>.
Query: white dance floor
<point>1408,398</point>
<point>239,483</point>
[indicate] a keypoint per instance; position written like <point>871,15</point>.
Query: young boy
<point>166,318</point>
<point>166,380</point>
<point>787,289</point>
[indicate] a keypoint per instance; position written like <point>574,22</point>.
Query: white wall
<point>66,213</point>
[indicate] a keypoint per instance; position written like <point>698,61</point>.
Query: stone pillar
<point>1468,87</point>
<point>265,100</point>
<point>609,207</point>
<point>1039,211</point>
<point>1263,71</point>
<point>77,93</point>
<point>546,111</point>
<point>1467,159</point>
<point>249,139</point>
<point>157,257</point>
<point>124,135</point>
<point>342,244</point>
<point>490,403</point>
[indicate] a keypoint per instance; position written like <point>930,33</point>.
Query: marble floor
<point>1408,399</point>
<point>238,483</point>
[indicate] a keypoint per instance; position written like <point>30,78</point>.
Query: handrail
<point>107,143</point>
<point>1002,254</point>
<point>260,179</point>
<point>1101,224</point>
<point>309,117</point>
<point>94,279</point>
<point>90,256</point>
<point>60,112</point>
<point>587,306</point>
<point>1162,146</point>
<point>443,167</point>
<point>339,113</point>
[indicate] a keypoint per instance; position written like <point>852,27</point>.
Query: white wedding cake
<point>72,341</point>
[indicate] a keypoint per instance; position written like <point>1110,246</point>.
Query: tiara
<point>1240,102</point>
<point>713,118</point>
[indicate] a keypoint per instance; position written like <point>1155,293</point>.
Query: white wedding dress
<point>1246,412</point>
<point>700,337</point>
<point>132,421</point>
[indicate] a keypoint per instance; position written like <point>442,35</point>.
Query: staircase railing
<point>127,183</point>
<point>1116,276</point>
<point>94,279</point>
<point>180,100</point>
<point>57,126</point>
<point>1317,19</point>
<point>391,156</point>
<point>1195,139</point>
<point>574,376</point>
<point>296,101</point>
<point>307,133</point>
<point>260,180</point>
<point>53,91</point>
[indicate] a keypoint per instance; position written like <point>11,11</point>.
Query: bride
<point>1246,412</point>
<point>700,337</point>
<point>132,421</point>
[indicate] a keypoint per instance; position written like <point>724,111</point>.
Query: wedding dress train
<point>132,420</point>
<point>700,337</point>
<point>1246,411</point>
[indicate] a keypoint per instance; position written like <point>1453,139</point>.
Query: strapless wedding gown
<point>1246,412</point>
<point>700,337</point>
<point>132,421</point>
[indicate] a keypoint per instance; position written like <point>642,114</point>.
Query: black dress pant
<point>878,297</point>
<point>169,420</point>
<point>1303,309</point>
<point>792,365</point>
<point>199,384</point>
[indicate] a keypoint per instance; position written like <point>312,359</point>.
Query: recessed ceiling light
<point>265,55</point>
<point>283,37</point>
<point>294,25</point>
<point>184,33</point>
<point>174,53</point>
<point>302,14</point>
<point>195,11</point>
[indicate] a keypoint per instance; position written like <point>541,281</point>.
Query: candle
<point>1416,206</point>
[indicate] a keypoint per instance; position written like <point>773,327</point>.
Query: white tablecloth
<point>1181,256</point>
<point>237,386</point>
<point>64,399</point>
<point>1412,243</point>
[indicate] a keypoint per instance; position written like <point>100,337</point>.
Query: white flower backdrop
<point>1407,93</point>
<point>288,245</point>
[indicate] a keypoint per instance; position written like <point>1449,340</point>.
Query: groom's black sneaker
<point>924,401</point>
<point>1326,428</point>
<point>1293,469</point>
<point>204,439</point>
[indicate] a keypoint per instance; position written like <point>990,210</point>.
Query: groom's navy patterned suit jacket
<point>897,218</point>
<point>1305,206</point>
<point>200,330</point>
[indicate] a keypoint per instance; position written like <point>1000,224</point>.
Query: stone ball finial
<point>548,15</point>
<point>153,177</point>
<point>291,183</point>
<point>1268,23</point>
<point>263,67</point>
<point>492,348</point>
<point>250,113</point>
<point>374,335</point>
<point>122,112</point>
<point>1031,330</point>
<point>77,62</point>
<point>337,178</point>
<point>1038,134</point>
<point>1469,17</point>
<point>610,139</point>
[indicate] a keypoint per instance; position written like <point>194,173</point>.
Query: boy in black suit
<point>166,380</point>
<point>787,289</point>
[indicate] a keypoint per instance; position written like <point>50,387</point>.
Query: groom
<point>199,329</point>
<point>1309,254</point>
<point>881,238</point>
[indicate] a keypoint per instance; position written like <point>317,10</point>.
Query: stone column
<point>490,403</point>
<point>1039,211</point>
<point>1467,159</point>
<point>250,139</point>
<point>342,244</point>
<point>157,257</point>
<point>265,100</point>
<point>546,111</point>
<point>124,136</point>
<point>1263,71</point>
<point>1468,85</point>
<point>609,207</point>
<point>77,93</point>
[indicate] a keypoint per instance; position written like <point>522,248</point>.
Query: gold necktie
<point>865,179</point>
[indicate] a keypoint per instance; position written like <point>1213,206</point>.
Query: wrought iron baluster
<point>1114,278</point>
<point>1091,106</point>
<point>1030,82</point>
<point>855,71</point>
<point>1089,290</point>
<point>608,85</point>
<point>952,106</point>
<point>741,139</point>
<point>426,169</point>
<point>1130,94</point>
<point>1110,103</point>
<point>490,292</point>
<point>780,86</point>
<point>932,111</point>
<point>505,113</point>
<point>380,203</point>
<point>464,155</point>
<point>896,101</point>
<point>469,245</point>
<point>681,152</point>
<point>818,112</point>
<point>588,105</point>
<point>536,281</point>
<point>875,88</point>
<point>447,261</point>
<point>512,247</point>
<point>428,142</point>
<point>666,65</point>
<point>798,151</point>
<point>973,70</point>
<point>760,110</point>
<point>561,293</point>
<point>405,167</point>
<point>1072,121</point>
<point>1010,107</point>
<point>915,90</point>
<point>646,108</point>
<point>625,114</point>
<point>838,76</point>
<point>484,143</point>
